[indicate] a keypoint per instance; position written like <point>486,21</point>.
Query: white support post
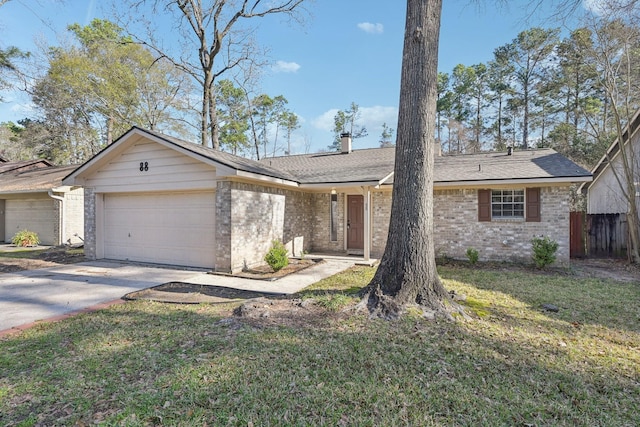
<point>367,222</point>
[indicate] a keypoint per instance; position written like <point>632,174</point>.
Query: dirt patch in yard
<point>13,261</point>
<point>189,293</point>
<point>608,269</point>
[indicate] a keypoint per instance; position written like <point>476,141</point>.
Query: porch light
<point>333,191</point>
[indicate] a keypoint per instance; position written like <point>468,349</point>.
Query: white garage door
<point>33,215</point>
<point>164,228</point>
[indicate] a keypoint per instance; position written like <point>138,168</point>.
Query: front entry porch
<point>357,259</point>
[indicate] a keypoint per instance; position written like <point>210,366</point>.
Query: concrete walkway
<point>33,295</point>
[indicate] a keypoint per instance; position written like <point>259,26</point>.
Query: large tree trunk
<point>204,119</point>
<point>525,120</point>
<point>213,120</point>
<point>407,272</point>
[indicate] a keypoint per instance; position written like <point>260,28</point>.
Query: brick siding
<point>89,223</point>
<point>457,227</point>
<point>249,217</point>
<point>321,223</point>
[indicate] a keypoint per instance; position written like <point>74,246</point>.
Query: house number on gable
<point>144,166</point>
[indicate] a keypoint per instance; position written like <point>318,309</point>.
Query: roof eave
<point>512,181</point>
<point>39,190</point>
<point>339,184</point>
<point>224,169</point>
<point>269,179</point>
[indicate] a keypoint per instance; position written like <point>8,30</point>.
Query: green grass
<point>40,253</point>
<point>23,253</point>
<point>148,363</point>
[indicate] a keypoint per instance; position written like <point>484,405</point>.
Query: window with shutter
<point>509,204</point>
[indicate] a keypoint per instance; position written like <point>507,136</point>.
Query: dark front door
<point>355,222</point>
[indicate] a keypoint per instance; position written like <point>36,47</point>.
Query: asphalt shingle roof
<point>376,164</point>
<point>527,164</point>
<point>227,159</point>
<point>335,167</point>
<point>23,165</point>
<point>41,179</point>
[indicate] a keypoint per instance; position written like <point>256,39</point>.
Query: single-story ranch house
<point>32,197</point>
<point>154,198</point>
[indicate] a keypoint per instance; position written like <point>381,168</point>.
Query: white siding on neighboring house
<point>73,216</point>
<point>38,215</point>
<point>605,194</point>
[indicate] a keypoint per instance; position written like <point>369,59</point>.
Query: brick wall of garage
<point>249,217</point>
<point>381,215</point>
<point>89,223</point>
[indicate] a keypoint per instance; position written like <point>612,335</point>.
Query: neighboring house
<point>607,205</point>
<point>32,197</point>
<point>23,166</point>
<point>153,198</point>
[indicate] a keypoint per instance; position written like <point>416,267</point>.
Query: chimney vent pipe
<point>345,142</point>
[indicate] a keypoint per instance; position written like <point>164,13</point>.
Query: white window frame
<point>508,198</point>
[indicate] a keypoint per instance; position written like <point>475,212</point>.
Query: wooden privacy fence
<point>577,248</point>
<point>607,235</point>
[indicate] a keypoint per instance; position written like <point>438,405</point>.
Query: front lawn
<point>145,363</point>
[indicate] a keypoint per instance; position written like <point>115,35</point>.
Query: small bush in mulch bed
<point>265,272</point>
<point>277,256</point>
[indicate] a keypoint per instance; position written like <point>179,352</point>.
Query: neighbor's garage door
<point>164,228</point>
<point>33,215</point>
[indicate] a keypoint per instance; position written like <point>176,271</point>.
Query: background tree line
<point>101,83</point>
<point>544,91</point>
<point>538,91</point>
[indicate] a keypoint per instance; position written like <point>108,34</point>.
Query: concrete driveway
<point>31,295</point>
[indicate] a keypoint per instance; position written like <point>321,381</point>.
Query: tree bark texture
<point>407,272</point>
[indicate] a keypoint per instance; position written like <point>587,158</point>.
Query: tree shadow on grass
<point>579,300</point>
<point>142,363</point>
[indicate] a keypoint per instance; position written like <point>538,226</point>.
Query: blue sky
<point>347,51</point>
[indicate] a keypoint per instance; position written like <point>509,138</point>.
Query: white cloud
<point>373,118</point>
<point>370,28</point>
<point>370,117</point>
<point>609,8</point>
<point>325,120</point>
<point>286,67</point>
